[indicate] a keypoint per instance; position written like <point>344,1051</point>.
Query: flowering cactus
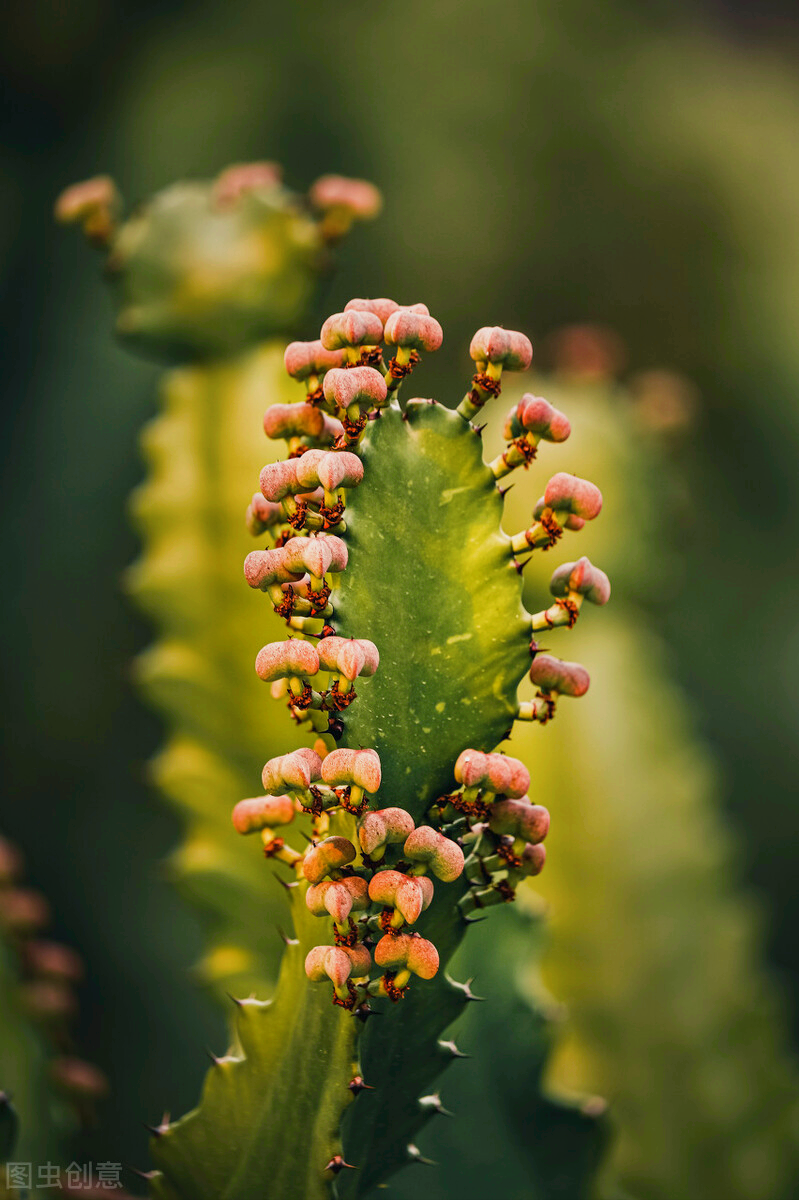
<point>407,644</point>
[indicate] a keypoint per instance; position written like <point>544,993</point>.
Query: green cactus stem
<point>409,641</point>
<point>212,276</point>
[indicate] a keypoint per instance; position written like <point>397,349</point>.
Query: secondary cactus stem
<point>563,612</point>
<point>542,534</point>
<point>541,709</point>
<point>519,453</point>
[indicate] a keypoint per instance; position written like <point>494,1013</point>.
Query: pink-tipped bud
<point>262,812</point>
<point>583,579</point>
<point>568,493</point>
<point>359,197</point>
<point>262,515</point>
<point>293,420</point>
<point>535,415</point>
<point>407,950</point>
<point>78,1078</point>
<point>413,331</point>
<point>241,178</point>
<point>23,910</point>
<point>265,568</point>
<point>338,898</point>
<point>53,960</point>
<point>349,657</point>
<point>11,862</point>
<point>358,767</point>
<point>408,894</point>
<point>331,469</point>
<point>494,772</point>
<point>354,328</point>
<point>443,856</point>
<point>494,344</point>
<point>533,858</point>
<point>279,480</point>
<point>363,386</point>
<point>383,827</point>
<point>520,819</point>
<point>281,660</point>
<point>552,674</point>
<point>337,963</point>
<point>330,855</point>
<point>299,769</point>
<point>94,203</point>
<point>302,359</point>
<point>382,308</point>
<point>48,999</point>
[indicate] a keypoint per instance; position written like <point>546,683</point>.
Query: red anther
<point>286,606</point>
<point>339,700</point>
<point>356,810</point>
<point>317,600</point>
<point>350,1003</point>
<point>505,890</point>
<point>284,537</point>
<point>371,356</point>
<point>305,698</point>
<point>505,850</point>
<point>316,808</point>
<point>327,631</point>
<point>274,847</point>
<point>552,526</point>
<point>399,370</point>
<point>316,397</point>
<point>384,921</point>
<point>487,383</point>
<point>477,810</point>
<point>569,606</point>
<point>394,993</point>
<point>331,514</point>
<point>528,451</point>
<point>297,518</point>
<point>549,701</point>
<point>349,938</point>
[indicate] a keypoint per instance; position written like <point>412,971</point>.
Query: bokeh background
<point>624,163</point>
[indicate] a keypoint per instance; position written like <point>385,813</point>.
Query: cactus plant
<point>407,644</point>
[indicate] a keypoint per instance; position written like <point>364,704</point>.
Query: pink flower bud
<point>494,344</point>
<point>520,819</point>
<point>407,950</point>
<point>262,514</point>
<point>552,674</point>
<point>78,1078</point>
<point>293,420</point>
<point>358,767</point>
<point>11,862</point>
<point>568,493</point>
<point>279,479</point>
<point>240,178</point>
<point>363,386</point>
<point>53,960</point>
<point>413,330</point>
<point>408,894</point>
<point>349,657</point>
<point>535,415</point>
<point>22,910</point>
<point>337,963</point>
<point>382,308</point>
<point>312,554</point>
<point>358,196</point>
<point>443,856</point>
<point>265,568</point>
<point>583,578</point>
<point>95,203</point>
<point>533,858</point>
<point>262,812</point>
<point>329,855</point>
<point>281,660</point>
<point>495,772</point>
<point>302,359</point>
<point>331,469</point>
<point>353,328</point>
<point>338,898</point>
<point>383,827</point>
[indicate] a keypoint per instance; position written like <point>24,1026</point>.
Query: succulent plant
<point>407,644</point>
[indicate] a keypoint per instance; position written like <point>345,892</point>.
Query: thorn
<point>521,565</point>
<point>357,1085</point>
<point>369,942</point>
<point>292,883</point>
<point>451,1049</point>
<point>466,989</point>
<point>504,491</point>
<point>289,941</point>
<point>216,1061</point>
<point>232,998</point>
<point>478,429</point>
<point>308,839</point>
<point>433,1104</point>
<point>364,1011</point>
<point>338,1164</point>
<point>508,733</point>
<point>148,1175</point>
<point>415,1156</point>
<point>158,1130</point>
<point>473,920</point>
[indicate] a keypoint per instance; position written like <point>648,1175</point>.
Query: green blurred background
<point>543,163</point>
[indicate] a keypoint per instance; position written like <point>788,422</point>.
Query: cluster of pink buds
<point>49,973</point>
